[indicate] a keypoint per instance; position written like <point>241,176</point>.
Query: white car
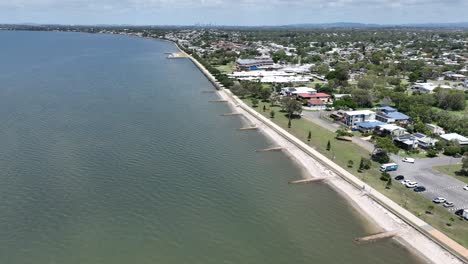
<point>404,182</point>
<point>465,188</point>
<point>439,200</point>
<point>411,184</point>
<point>409,160</point>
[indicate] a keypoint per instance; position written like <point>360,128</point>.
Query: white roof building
<point>424,87</point>
<point>456,137</point>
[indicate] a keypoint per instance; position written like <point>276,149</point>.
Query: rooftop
<point>360,112</point>
<point>397,116</point>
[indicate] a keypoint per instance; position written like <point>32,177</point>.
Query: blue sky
<point>231,12</point>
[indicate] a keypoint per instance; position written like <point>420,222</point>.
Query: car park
<point>408,160</point>
<point>419,189</point>
<point>411,184</point>
<point>439,200</point>
<point>448,204</point>
<point>401,177</point>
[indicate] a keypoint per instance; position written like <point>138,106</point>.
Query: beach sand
<point>357,197</point>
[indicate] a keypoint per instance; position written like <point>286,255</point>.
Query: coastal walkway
<point>412,220</point>
<point>446,243</point>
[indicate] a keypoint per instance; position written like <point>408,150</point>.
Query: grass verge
<point>342,152</point>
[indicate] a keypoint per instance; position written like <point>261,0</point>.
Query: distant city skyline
<point>230,12</point>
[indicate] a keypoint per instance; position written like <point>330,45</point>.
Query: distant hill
<point>461,25</point>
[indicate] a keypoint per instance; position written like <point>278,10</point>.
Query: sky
<point>231,12</point>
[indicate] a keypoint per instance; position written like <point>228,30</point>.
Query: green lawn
<point>227,69</point>
<point>341,152</point>
<point>461,113</point>
<point>452,171</point>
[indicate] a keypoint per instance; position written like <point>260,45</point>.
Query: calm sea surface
<point>110,153</point>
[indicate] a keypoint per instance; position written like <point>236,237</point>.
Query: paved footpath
<point>402,213</point>
<point>383,200</point>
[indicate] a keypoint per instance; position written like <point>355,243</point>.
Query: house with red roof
<point>316,104</point>
<point>315,96</point>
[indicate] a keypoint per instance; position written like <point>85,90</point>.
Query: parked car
<point>448,204</point>
<point>465,188</point>
<point>459,212</point>
<point>439,200</point>
<point>411,184</point>
<point>401,177</point>
<point>419,189</point>
<point>409,160</point>
<point>404,182</point>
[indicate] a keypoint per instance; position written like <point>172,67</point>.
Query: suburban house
<point>390,115</point>
<point>414,141</point>
<point>316,104</point>
<point>367,127</point>
<point>340,96</point>
<point>455,137</point>
<point>351,118</point>
<point>288,91</point>
<point>315,96</point>
<point>423,87</point>
<point>253,64</point>
<point>390,130</point>
<point>435,129</point>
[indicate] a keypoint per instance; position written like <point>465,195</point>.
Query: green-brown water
<point>110,153</point>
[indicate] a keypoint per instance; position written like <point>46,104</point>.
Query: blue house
<point>390,115</point>
<point>366,127</point>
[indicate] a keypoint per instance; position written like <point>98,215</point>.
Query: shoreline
<point>364,202</point>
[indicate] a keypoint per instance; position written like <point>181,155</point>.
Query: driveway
<point>315,118</point>
<point>437,184</point>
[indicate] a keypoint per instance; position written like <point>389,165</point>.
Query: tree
<point>464,168</point>
<point>309,136</point>
<point>265,93</point>
<point>254,102</point>
<point>385,176</point>
<point>380,156</point>
<point>328,145</point>
<point>431,153</point>
<point>414,76</point>
<point>386,144</point>
<point>365,83</point>
<point>389,183</point>
<point>272,114</point>
<point>365,164</point>
<point>452,150</point>
<point>291,106</point>
<point>363,98</point>
<point>264,108</point>
<point>350,163</point>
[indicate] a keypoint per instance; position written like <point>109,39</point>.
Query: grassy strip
<point>452,171</point>
<point>341,152</point>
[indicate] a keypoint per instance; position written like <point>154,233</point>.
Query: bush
<point>452,150</point>
<point>431,153</point>
<point>381,157</point>
<point>385,176</point>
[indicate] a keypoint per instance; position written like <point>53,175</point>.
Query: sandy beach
<point>359,198</point>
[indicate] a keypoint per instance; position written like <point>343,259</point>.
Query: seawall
<point>414,232</point>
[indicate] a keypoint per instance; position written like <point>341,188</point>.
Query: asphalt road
<point>437,184</point>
